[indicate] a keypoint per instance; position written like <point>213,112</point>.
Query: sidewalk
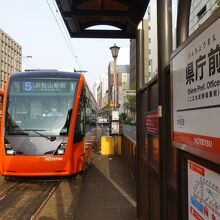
<point>108,191</point>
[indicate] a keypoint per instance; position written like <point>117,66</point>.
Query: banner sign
<point>203,193</point>
<point>151,122</point>
<point>115,127</point>
<point>196,91</point>
<point>115,115</point>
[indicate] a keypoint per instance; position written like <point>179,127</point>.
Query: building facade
<point>99,96</point>
<point>152,40</point>
<point>104,111</point>
<point>104,83</point>
<point>146,56</point>
<point>132,63</point>
<point>123,85</point>
<point>111,67</point>
<point>95,87</point>
<point>199,12</point>
<point>10,57</point>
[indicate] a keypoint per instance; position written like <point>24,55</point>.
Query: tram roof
<point>46,74</point>
<point>79,15</point>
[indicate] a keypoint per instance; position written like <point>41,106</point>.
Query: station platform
<point>108,191</point>
<point>105,191</point>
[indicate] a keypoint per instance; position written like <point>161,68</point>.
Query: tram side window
<point>80,123</point>
<point>88,115</point>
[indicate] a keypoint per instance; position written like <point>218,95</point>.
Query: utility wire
<point>29,64</point>
<point>68,44</point>
<point>65,30</point>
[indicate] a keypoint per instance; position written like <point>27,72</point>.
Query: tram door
<point>1,104</point>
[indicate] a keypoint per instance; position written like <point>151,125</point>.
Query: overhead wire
<point>65,36</point>
<point>30,63</point>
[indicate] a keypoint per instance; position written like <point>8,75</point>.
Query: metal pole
<point>139,85</point>
<point>139,57</point>
<point>164,27</point>
<point>115,83</point>
<point>115,104</point>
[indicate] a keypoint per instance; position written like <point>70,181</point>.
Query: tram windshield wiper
<point>51,138</point>
<point>18,133</point>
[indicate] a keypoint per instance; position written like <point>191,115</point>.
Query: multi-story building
<point>99,96</point>
<point>10,57</point>
<point>133,56</point>
<point>199,12</point>
<point>95,86</point>
<point>104,83</point>
<point>111,69</point>
<point>123,85</point>
<point>132,63</point>
<point>152,40</point>
<point>146,50</point>
<point>104,106</point>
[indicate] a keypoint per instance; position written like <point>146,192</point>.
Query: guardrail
<point>129,152</point>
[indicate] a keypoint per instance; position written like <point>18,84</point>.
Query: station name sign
<point>196,91</point>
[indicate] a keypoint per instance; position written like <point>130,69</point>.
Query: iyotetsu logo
<point>53,159</point>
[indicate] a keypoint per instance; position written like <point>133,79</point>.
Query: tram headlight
<point>9,150</point>
<point>61,149</point>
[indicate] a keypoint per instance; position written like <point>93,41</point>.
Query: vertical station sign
<point>203,193</point>
<point>196,91</point>
<point>151,122</point>
<point>115,122</point>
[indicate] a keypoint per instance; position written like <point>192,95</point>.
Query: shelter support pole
<point>139,57</point>
<point>139,85</point>
<point>164,27</point>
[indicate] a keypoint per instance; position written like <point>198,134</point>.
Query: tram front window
<point>39,105</point>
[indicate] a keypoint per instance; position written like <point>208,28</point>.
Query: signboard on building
<point>151,122</point>
<point>203,193</point>
<point>115,127</point>
<point>115,115</point>
<point>111,103</point>
<point>196,91</point>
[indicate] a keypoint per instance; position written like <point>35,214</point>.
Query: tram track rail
<point>24,200</point>
<point>7,191</point>
<point>37,212</point>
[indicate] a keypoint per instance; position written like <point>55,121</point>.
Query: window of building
<point>202,12</point>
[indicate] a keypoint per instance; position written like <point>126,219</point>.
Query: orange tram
<point>46,118</point>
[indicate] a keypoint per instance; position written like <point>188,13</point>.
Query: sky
<point>36,26</point>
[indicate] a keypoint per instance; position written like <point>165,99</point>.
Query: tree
<point>132,103</point>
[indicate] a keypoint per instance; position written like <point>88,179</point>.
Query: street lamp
<point>114,123</point>
<point>115,50</point>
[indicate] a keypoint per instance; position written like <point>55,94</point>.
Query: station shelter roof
<point>80,15</point>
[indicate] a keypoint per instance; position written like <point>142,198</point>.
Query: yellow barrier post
<point>107,145</point>
<point>119,145</point>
